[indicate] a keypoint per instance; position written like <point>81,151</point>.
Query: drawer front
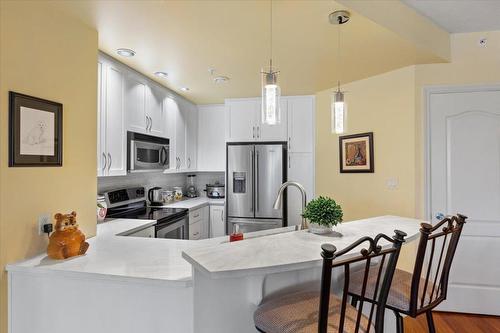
<point>195,231</point>
<point>195,215</point>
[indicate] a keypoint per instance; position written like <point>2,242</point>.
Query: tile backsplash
<point>151,179</point>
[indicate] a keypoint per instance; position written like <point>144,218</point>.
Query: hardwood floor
<point>447,322</point>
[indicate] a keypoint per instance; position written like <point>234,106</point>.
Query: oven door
<point>177,229</point>
<point>146,156</point>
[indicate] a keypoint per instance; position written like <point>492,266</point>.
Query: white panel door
<point>301,170</point>
<point>278,132</point>
<point>154,110</point>
<point>465,178</point>
<point>211,141</point>
<point>135,107</point>
<point>116,142</point>
<point>242,119</point>
<point>301,124</point>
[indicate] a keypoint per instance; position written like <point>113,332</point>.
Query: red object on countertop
<point>236,235</point>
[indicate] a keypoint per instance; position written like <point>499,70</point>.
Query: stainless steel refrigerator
<point>255,173</point>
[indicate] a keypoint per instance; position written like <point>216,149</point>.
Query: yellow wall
<point>49,55</point>
<point>384,105</point>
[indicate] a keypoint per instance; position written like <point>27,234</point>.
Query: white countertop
<point>194,203</point>
<point>291,250</point>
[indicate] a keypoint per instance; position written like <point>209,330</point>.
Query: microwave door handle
<point>163,156</point>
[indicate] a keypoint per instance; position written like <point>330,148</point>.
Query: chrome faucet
<point>279,199</point>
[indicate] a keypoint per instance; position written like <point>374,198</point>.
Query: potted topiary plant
<point>323,213</point>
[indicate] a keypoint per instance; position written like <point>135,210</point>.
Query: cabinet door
<point>115,124</point>
<point>211,141</point>
<point>205,222</point>
<point>195,230</point>
<point>135,107</point>
<point>154,110</point>
<point>241,119</point>
<point>191,137</point>
<point>276,132</point>
<point>301,124</point>
<point>101,122</point>
<point>180,135</point>
<point>301,170</point>
<point>217,225</point>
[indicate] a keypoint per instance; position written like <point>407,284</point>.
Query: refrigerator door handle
<point>257,182</point>
<point>252,169</point>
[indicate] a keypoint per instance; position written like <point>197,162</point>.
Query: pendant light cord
<point>271,37</point>
<point>339,62</point>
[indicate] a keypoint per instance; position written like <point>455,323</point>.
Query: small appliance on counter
<point>130,203</point>
<point>215,191</point>
<point>192,192</point>
<point>155,196</point>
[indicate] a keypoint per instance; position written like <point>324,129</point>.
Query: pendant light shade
<point>339,113</point>
<point>338,106</point>
<point>271,92</point>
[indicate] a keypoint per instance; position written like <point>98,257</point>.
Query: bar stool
<point>422,290</point>
<point>309,311</point>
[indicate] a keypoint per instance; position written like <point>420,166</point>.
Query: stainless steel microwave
<point>147,153</point>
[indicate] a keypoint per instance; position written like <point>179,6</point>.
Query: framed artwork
<point>356,153</point>
<point>35,131</point>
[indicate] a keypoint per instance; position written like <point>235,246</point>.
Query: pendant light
<point>338,105</point>
<point>271,92</point>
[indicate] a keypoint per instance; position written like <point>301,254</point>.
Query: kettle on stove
<point>154,196</point>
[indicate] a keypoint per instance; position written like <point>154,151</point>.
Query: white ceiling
<point>460,15</point>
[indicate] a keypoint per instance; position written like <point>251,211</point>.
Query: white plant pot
<point>319,228</point>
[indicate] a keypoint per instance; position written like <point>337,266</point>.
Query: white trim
<point>427,91</point>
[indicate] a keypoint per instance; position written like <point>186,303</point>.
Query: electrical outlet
<point>43,219</point>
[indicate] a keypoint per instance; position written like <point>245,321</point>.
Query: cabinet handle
<point>253,132</point>
<point>189,162</point>
<point>222,215</point>
<point>289,143</point>
<point>289,164</point>
<point>150,124</point>
<point>196,233</point>
<point>258,132</point>
<point>110,161</point>
<point>147,123</point>
<point>105,162</point>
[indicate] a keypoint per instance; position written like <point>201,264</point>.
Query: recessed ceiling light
<point>221,79</point>
<point>126,52</point>
<point>185,89</point>
<point>161,74</point>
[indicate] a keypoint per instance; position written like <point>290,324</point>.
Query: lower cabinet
<point>148,232</point>
<point>217,225</point>
<point>198,223</point>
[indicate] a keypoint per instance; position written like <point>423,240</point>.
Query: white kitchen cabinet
<point>144,106</point>
<point>195,231</point>
<point>191,137</point>
<point>199,223</point>
<point>148,232</point>
<point>205,222</point>
<point>135,104</point>
<point>276,132</point>
<point>301,124</point>
<point>176,124</point>
<point>243,119</point>
<point>211,142</point>
<point>301,170</point>
<point>154,110</point>
<point>217,223</point>
<point>112,140</point>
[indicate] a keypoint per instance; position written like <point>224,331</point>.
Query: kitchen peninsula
<point>215,288</point>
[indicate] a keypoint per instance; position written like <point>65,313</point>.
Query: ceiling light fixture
<point>338,106</point>
<point>185,89</point>
<point>125,52</point>
<point>271,92</point>
<point>221,79</point>
<point>163,75</point>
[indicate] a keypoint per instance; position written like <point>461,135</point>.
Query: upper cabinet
<point>211,142</point>
<point>111,150</point>
<point>301,124</point>
<point>243,121</point>
<point>191,137</point>
<point>144,106</point>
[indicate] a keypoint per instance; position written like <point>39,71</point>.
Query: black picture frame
<point>40,146</point>
<point>369,156</point>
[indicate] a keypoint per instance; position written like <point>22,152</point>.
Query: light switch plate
<point>392,183</point>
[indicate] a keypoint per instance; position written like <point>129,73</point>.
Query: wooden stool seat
<point>298,313</point>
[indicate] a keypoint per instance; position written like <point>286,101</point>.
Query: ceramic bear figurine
<point>67,240</point>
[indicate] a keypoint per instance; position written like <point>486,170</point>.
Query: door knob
<point>440,216</point>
